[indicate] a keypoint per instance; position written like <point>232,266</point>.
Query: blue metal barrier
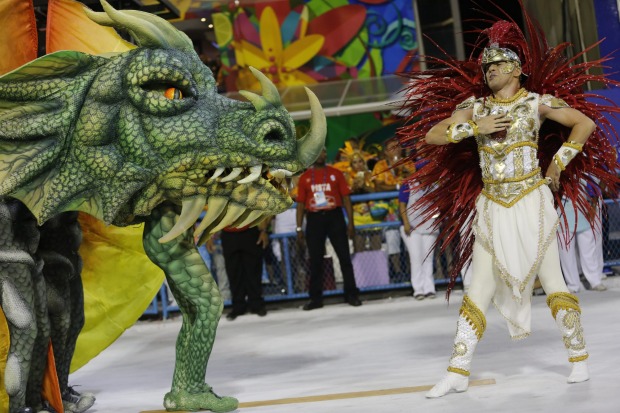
<point>293,270</point>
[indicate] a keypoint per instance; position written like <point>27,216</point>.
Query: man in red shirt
<point>323,192</point>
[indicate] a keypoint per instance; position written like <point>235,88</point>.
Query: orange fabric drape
<point>18,34</point>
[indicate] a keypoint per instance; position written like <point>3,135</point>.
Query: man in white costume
<point>584,248</point>
<point>515,223</point>
<point>419,238</point>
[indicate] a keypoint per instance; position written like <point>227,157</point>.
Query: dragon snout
<point>310,145</point>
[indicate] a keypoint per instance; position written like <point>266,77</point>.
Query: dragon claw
<point>205,400</point>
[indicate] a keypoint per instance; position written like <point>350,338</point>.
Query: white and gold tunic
<point>515,216</point>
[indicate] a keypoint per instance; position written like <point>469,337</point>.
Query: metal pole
<point>419,34</point>
<point>458,29</point>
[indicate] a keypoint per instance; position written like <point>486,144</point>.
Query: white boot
<point>451,382</point>
<point>579,372</point>
<point>567,313</point>
<point>469,330</point>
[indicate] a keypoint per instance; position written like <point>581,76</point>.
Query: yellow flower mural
<point>280,63</point>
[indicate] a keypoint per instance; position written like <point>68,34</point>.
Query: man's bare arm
<point>581,125</point>
<point>485,126</point>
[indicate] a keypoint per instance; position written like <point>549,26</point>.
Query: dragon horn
<point>147,29</point>
<point>310,145</point>
<point>270,92</point>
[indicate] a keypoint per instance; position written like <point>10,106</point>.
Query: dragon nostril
<point>274,135</point>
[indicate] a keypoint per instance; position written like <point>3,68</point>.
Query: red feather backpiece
<point>452,178</point>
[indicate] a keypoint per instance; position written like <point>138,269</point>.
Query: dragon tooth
<point>215,207</point>
<point>233,212</point>
<point>252,217</point>
<point>278,173</point>
<point>257,221</point>
<point>253,176</point>
<point>217,173</point>
<point>192,208</point>
<point>235,173</point>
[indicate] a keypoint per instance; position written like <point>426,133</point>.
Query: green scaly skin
<point>97,134</point>
<point>189,279</point>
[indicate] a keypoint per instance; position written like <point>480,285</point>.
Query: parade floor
<point>374,358</point>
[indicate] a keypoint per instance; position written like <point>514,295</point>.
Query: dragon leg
<point>201,305</point>
<point>60,241</point>
<point>22,298</point>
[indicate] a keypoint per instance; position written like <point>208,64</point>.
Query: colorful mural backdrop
<point>299,42</point>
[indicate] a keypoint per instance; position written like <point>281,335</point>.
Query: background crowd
<point>333,250</point>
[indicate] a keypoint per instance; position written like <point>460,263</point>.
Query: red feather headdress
<point>452,178</point>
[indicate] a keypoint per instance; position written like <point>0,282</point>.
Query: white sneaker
<point>452,382</point>
<point>579,373</point>
<point>599,287</point>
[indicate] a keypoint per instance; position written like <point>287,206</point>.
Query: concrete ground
<point>370,359</point>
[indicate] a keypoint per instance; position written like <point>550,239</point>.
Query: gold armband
<point>456,132</point>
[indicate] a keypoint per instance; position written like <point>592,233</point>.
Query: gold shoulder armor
<point>553,102</point>
<point>466,104</point>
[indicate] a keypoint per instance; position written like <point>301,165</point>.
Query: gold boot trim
<point>579,358</point>
<point>458,371</point>
<point>474,316</point>
<point>567,314</point>
<point>566,301</point>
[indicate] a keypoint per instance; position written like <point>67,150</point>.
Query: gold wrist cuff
<point>558,162</point>
<point>456,132</point>
<point>474,126</point>
<point>565,154</point>
<point>574,145</point>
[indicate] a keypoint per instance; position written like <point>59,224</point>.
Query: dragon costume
<point>140,136</point>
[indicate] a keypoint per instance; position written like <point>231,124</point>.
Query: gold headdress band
<point>493,53</point>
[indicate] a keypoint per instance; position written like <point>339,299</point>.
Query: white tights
<point>481,291</point>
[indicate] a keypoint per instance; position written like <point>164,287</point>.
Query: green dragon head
<point>116,136</point>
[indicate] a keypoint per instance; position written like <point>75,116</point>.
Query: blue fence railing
<point>286,267</point>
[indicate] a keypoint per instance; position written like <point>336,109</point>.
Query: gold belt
<point>508,193</point>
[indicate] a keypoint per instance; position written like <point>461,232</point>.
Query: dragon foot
<point>204,400</point>
<point>75,402</point>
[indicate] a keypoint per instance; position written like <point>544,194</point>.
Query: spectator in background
<point>342,157</point>
<point>358,176</point>
<point>285,223</point>
<point>580,242</point>
<point>322,192</point>
<point>360,181</point>
<point>375,152</point>
<point>419,238</point>
<point>389,174</point>
<point>243,255</point>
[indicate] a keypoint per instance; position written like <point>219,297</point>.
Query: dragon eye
<point>173,93</point>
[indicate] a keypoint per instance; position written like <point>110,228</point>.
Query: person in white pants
<point>419,239</point>
<point>585,244</point>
